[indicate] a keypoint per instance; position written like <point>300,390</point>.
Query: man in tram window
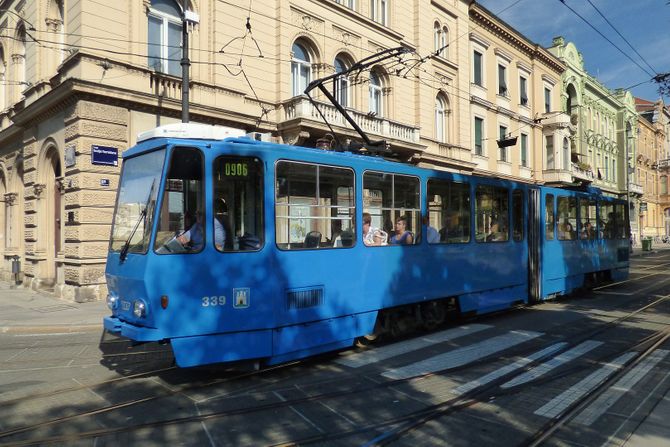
<point>432,235</point>
<point>495,232</point>
<point>402,234</point>
<point>223,237</point>
<point>609,227</point>
<point>193,237</point>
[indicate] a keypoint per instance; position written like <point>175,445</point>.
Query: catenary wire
<point>621,35</point>
<point>605,37</point>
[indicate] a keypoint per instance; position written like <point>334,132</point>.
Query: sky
<point>644,23</point>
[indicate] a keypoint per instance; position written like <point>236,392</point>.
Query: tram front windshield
<point>136,202</point>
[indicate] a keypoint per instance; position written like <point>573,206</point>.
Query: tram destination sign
<point>104,155</point>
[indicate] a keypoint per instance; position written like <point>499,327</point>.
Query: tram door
<point>534,241</point>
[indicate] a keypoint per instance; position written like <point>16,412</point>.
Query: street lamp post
<point>188,18</point>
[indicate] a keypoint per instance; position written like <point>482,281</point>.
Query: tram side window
<point>621,227</point>
<point>587,219</point>
<point>607,222</point>
<point>549,217</point>
<point>392,201</point>
<point>517,215</point>
<point>567,218</point>
<point>491,214</point>
<point>449,211</point>
<point>314,206</point>
<point>181,224</point>
<point>238,204</point>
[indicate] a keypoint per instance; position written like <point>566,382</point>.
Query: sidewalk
<point>25,311</point>
<point>655,248</point>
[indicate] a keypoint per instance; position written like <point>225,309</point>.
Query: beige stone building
<point>655,134</point>
<point>80,79</point>
<point>651,169</point>
<point>515,91</point>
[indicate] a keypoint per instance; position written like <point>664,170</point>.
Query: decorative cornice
<point>482,102</point>
<point>551,80</point>
<point>480,40</point>
<point>523,66</point>
<point>503,54</point>
<point>484,18</point>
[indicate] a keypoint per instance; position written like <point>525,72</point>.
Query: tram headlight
<point>139,309</point>
<point>112,302</point>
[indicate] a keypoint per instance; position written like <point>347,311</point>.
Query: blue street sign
<point>104,155</point>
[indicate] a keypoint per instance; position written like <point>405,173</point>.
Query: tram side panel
<point>570,258</point>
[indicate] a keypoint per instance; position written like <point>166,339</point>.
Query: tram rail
<point>429,413</point>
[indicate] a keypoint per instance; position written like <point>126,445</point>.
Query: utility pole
<point>188,18</point>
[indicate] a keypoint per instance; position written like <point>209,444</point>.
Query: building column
<point>90,195</point>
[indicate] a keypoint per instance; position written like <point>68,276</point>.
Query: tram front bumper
<point>127,330</point>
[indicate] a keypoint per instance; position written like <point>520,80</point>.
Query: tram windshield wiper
<point>143,215</point>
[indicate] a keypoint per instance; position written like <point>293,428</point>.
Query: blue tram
<point>236,249</point>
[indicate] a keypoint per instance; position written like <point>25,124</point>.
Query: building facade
<point>603,144</point>
<point>653,167</point>
<point>80,82</point>
<point>514,93</point>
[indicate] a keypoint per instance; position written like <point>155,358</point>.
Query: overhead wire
<point>606,38</point>
<point>621,35</point>
<point>227,67</point>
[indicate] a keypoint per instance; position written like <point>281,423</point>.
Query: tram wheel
<point>433,314</point>
<point>368,339</point>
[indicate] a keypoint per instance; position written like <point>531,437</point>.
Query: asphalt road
<point>505,379</point>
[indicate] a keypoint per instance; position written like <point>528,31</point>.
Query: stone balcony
<point>582,174</point>
<point>301,115</point>
<point>553,120</point>
<point>574,175</point>
<point>635,188</point>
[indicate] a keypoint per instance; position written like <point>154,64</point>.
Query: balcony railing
<point>634,188</point>
<point>300,107</point>
<point>555,119</point>
<point>568,176</point>
<point>582,174</point>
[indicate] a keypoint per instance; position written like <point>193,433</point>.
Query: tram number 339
<point>213,301</point>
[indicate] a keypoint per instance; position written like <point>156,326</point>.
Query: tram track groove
<point>216,382</point>
<point>157,371</point>
<point>456,402</point>
<point>547,430</point>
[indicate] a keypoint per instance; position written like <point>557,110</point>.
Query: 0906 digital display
<point>232,169</point>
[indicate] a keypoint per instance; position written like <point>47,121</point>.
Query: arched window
<point>441,112</point>
<point>375,94</point>
<point>301,69</point>
<point>444,40</point>
<point>437,35</point>
<point>20,58</point>
<point>342,84</point>
<point>165,27</point>
<point>3,80</point>
<point>55,24</point>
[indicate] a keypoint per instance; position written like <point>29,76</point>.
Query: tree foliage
<point>663,81</point>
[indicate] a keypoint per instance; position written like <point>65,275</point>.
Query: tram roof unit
<point>191,131</point>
